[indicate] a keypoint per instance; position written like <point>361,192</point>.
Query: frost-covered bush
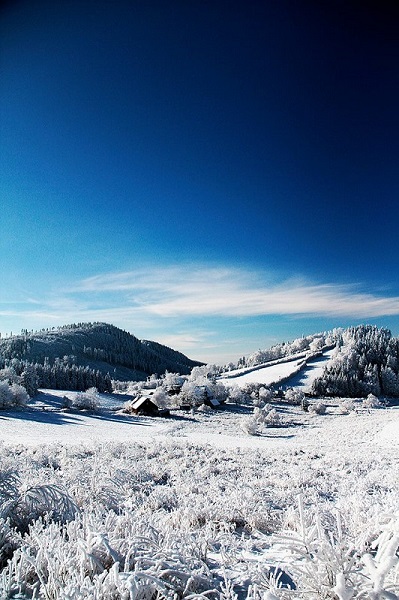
<point>273,418</point>
<point>19,394</point>
<point>317,408</point>
<point>195,392</point>
<point>265,394</point>
<point>250,425</point>
<point>88,400</point>
<point>238,395</point>
<point>5,394</point>
<point>204,408</point>
<point>347,406</point>
<point>261,396</point>
<point>329,562</point>
<point>294,396</point>
<point>192,394</point>
<point>12,395</point>
<point>261,417</point>
<point>371,402</point>
<point>9,375</point>
<point>161,398</point>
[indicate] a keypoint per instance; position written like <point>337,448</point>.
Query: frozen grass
<point>175,519</point>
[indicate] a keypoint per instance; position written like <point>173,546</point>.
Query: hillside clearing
<point>299,371</point>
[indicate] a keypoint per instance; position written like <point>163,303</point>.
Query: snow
<point>45,421</point>
<point>312,370</point>
<point>293,371</point>
<point>191,480</point>
<point>389,434</point>
<point>267,375</point>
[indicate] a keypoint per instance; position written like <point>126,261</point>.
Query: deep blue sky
<point>217,176</point>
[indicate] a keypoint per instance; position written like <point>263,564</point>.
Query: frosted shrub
<point>317,408</point>
<point>204,408</point>
<point>371,402</point>
<point>261,397</point>
<point>19,394</point>
<point>273,418</point>
<point>250,425</point>
<point>259,415</point>
<point>161,398</point>
<point>237,395</point>
<point>330,562</point>
<point>192,394</point>
<point>294,396</point>
<point>12,395</point>
<point>6,399</point>
<point>346,406</point>
<point>265,395</point>
<point>88,400</point>
<point>266,416</point>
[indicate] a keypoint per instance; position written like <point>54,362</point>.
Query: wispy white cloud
<point>182,292</point>
<point>180,305</point>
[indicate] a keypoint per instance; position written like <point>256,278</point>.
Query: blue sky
<point>216,176</point>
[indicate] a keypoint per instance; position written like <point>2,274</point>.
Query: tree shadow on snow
<point>68,417</point>
<point>117,418</point>
<point>287,436</point>
<point>39,416</point>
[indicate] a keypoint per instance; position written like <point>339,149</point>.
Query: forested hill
<point>98,346</point>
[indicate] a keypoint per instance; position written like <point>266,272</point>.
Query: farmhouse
<point>143,405</point>
<point>207,398</point>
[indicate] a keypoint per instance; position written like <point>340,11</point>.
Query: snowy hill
<point>98,346</point>
<point>365,361</point>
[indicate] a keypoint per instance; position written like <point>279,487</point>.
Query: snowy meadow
<point>197,508</point>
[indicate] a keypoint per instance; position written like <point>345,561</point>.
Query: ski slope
<point>292,372</point>
<point>311,371</point>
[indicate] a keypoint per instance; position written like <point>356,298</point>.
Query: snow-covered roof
<point>141,400</point>
<point>213,401</point>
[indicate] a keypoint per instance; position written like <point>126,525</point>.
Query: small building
<point>212,402</point>
<point>207,397</point>
<point>144,406</point>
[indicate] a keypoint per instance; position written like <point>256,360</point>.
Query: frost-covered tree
<point>12,395</point>
<point>20,396</point>
<point>365,362</point>
<point>88,400</point>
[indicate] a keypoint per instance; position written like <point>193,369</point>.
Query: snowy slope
<point>295,371</point>
<point>311,371</point>
<point>268,375</point>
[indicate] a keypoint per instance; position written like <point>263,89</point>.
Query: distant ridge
<point>99,346</point>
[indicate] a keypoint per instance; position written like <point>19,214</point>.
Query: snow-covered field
<point>192,507</point>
